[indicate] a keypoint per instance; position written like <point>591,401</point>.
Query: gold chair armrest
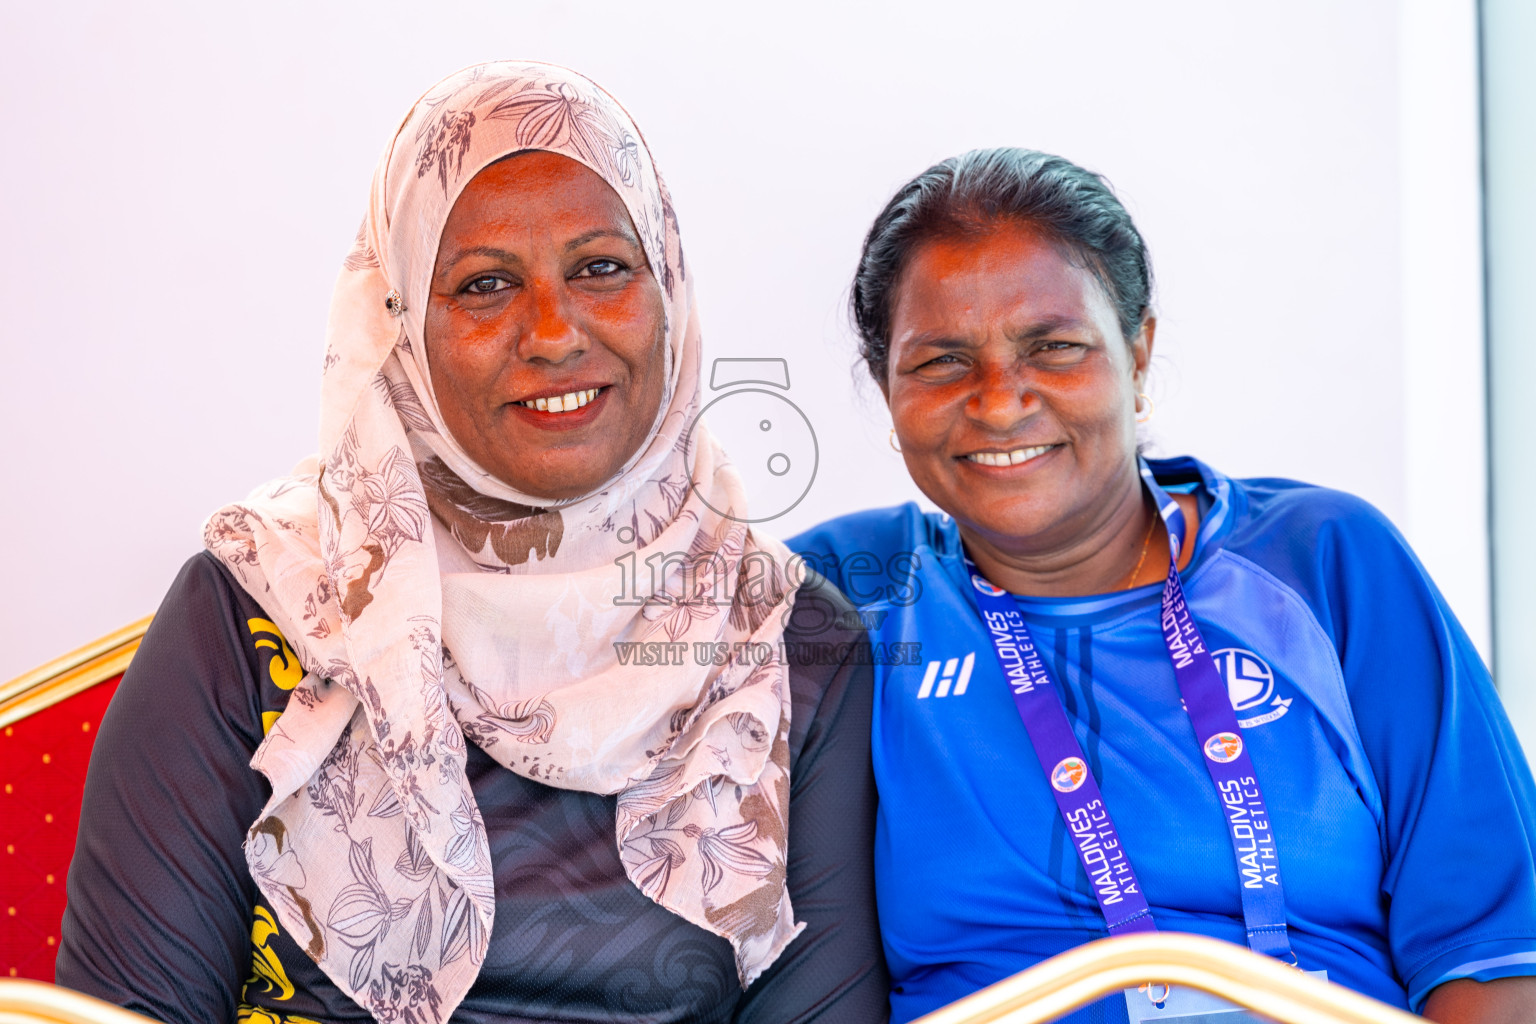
<point>36,1002</point>
<point>1106,967</point>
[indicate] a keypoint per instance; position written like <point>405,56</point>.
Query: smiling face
<point>1013,392</point>
<point>545,327</point>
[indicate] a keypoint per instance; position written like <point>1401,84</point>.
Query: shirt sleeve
<point>834,971</point>
<point>1456,792</point>
<point>160,898</point>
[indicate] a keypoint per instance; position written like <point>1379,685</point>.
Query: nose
<point>1003,398</point>
<point>549,331</point>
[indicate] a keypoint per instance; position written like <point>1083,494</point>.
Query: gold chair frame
<point>66,676</point>
<point>1107,967</point>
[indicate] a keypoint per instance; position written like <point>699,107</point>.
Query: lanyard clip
<point>1156,1000</point>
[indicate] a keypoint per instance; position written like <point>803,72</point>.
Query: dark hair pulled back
<point>970,193</point>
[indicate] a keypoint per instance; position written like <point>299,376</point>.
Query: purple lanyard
<point>1082,807</point>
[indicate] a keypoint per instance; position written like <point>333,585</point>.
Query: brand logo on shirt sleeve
<point>946,677</point>
<point>1250,685</point>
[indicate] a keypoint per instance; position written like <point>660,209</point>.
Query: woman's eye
<point>600,268</point>
<point>1059,349</point>
<point>486,285</point>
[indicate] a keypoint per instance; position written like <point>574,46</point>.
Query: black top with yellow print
<point>165,919</point>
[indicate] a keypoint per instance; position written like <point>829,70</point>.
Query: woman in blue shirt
<point>1148,695</point>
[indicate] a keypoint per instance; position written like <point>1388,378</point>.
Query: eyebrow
<point>507,256</point>
<point>482,250</point>
<point>1041,328</point>
<point>592,236</point>
<point>1050,325</point>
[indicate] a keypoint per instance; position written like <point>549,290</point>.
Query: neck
<point>1124,546</point>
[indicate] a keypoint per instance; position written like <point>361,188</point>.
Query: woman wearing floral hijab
<point>663,807</point>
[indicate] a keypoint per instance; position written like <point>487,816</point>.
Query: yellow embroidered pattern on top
<point>283,667</point>
<point>248,1014</point>
<point>266,970</point>
<point>265,966</point>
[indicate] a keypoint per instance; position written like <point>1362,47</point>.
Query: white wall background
<point>180,182</point>
<point>1509,84</point>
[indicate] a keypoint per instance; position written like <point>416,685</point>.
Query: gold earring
<point>1143,417</point>
<point>892,439</point>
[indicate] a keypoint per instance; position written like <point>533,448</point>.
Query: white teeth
<point>563,403</point>
<point>1012,458</point>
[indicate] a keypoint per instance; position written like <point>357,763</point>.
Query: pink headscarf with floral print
<point>428,601</point>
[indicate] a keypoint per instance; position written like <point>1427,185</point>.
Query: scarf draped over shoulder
<point>426,602</point>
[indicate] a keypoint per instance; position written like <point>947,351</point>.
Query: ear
<point>1141,351</point>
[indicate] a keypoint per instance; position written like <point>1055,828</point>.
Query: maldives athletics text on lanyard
<point>1082,807</point>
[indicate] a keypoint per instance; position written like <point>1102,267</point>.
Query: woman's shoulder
<point>1278,517</point>
<point>1277,497</point>
<point>1335,551</point>
<point>1289,522</point>
<point>877,542</point>
<point>206,592</point>
<point>870,528</point>
<point>213,635</point>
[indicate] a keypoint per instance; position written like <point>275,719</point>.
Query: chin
<point>1007,516</point>
<point>560,489</point>
<point>557,482</point>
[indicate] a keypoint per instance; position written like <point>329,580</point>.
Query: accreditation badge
<point>1180,1004</point>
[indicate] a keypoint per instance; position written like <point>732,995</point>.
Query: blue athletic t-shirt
<point>1401,803</point>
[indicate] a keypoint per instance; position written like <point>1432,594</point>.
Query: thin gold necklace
<point>1145,544</point>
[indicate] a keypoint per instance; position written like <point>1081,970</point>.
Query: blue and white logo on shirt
<point>1251,685</point>
<point>946,676</point>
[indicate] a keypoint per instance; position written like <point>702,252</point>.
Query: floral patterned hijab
<point>428,601</point>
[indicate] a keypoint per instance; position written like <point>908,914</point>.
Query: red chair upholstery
<point>50,718</point>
